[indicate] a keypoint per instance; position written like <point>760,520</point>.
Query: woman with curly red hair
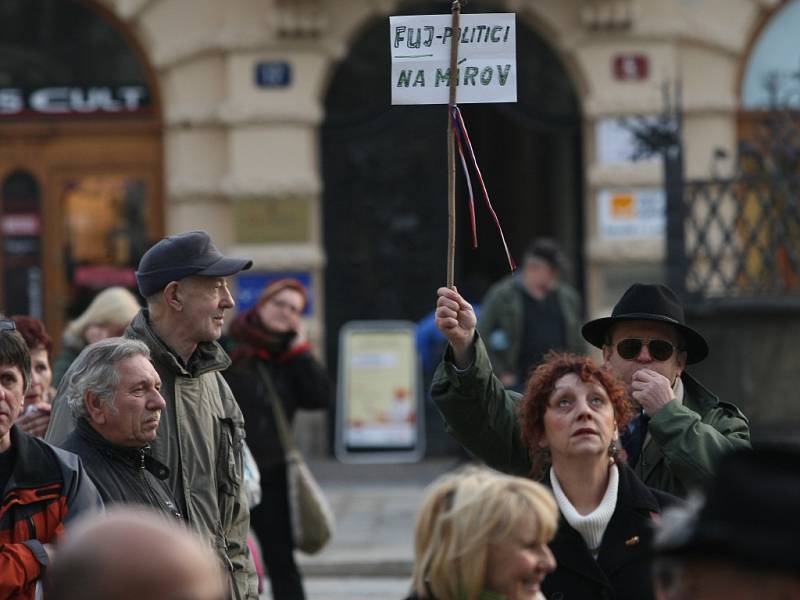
<point>571,416</point>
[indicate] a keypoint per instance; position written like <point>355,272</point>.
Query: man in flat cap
<point>682,429</point>
<point>739,540</point>
<point>201,434</point>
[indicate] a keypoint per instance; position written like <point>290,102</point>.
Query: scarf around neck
<point>591,526</point>
<point>253,339</point>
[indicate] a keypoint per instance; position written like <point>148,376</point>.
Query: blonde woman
<point>108,315</point>
<point>481,535</point>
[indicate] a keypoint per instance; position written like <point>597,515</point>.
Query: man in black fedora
<point>682,429</point>
<point>185,280</point>
<point>739,539</point>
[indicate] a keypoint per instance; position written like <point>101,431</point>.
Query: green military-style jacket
<point>501,321</point>
<point>685,442</point>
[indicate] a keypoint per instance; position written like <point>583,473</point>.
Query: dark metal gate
<point>733,252</point>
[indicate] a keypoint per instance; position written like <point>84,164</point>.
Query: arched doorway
<point>385,182</point>
<point>80,157</point>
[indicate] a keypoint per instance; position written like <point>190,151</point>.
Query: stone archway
<point>384,177</point>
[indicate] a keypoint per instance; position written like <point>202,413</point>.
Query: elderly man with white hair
<point>112,390</point>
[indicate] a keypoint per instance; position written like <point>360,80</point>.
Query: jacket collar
<point>135,458</point>
<point>208,356</point>
<point>695,397</point>
<point>34,466</point>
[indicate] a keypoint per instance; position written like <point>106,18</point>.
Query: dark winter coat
<point>622,570</point>
<point>296,376</point>
<point>127,475</point>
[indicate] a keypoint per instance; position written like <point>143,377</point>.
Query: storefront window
<point>20,229</point>
<point>105,233</point>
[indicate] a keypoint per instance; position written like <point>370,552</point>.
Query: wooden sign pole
<point>451,151</point>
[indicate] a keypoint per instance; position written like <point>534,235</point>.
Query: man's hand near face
<point>651,390</point>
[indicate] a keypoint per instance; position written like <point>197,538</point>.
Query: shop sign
<point>103,276</point>
<point>73,100</point>
<point>487,60</point>
<point>631,67</point>
<point>15,225</point>
<point>273,74</point>
<point>639,212</point>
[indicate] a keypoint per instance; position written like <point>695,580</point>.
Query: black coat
<point>300,381</point>
<point>622,570</point>
<point>125,475</point>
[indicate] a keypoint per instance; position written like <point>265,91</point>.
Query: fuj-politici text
<point>486,65</point>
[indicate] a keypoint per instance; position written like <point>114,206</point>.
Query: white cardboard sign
<point>487,61</point>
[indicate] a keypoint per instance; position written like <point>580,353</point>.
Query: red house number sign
<point>631,67</point>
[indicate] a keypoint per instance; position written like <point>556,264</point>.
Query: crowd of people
<point>624,480</point>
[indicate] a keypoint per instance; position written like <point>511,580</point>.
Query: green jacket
<point>685,440</point>
<point>201,440</point>
<point>501,321</point>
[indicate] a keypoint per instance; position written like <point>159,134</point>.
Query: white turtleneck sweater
<point>591,526</point>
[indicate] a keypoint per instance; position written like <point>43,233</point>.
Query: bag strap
<point>282,423</point>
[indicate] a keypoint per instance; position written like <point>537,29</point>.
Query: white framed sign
<point>487,62</point>
<point>636,212</point>
<point>379,404</point>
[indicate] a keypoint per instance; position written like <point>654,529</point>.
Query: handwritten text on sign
<point>487,64</point>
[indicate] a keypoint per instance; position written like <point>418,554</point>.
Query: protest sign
<point>420,50</point>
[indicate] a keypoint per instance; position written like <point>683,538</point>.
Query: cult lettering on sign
<point>472,76</point>
<point>423,37</point>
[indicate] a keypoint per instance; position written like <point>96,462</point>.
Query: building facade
<point>268,123</point>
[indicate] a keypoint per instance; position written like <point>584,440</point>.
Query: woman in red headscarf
<point>273,362</point>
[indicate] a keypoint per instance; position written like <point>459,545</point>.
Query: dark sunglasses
<point>7,325</point>
<point>660,350</point>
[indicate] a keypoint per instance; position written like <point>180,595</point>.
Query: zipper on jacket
<point>31,527</point>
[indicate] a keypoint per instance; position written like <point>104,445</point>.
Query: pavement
<point>375,505</point>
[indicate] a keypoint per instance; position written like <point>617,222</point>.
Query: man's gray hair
<point>95,370</point>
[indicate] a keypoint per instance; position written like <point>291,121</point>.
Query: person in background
<point>571,417</point>
<point>42,488</point>
<point>273,362</point>
<point>481,535</point>
<point>39,398</point>
<point>133,554</point>
<point>106,316</point>
<point>530,312</point>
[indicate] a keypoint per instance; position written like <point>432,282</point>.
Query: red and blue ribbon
<point>463,141</point>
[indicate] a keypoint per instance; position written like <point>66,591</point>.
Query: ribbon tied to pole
<point>463,142</point>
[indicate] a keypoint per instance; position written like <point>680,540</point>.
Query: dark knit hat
<point>184,255</point>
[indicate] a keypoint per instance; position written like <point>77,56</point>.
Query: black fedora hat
<point>649,302</point>
<point>748,515</point>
